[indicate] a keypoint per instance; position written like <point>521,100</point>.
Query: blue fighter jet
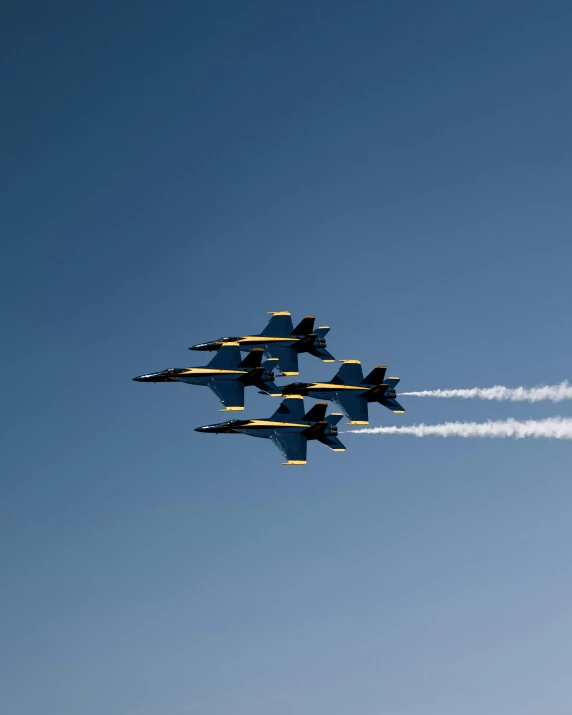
<point>288,428</point>
<point>351,391</point>
<point>227,374</point>
<point>281,341</point>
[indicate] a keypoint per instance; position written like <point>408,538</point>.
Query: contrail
<point>550,428</point>
<point>554,393</point>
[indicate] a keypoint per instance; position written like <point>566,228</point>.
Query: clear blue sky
<point>170,172</point>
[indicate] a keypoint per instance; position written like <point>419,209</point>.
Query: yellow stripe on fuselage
<point>271,423</point>
<point>334,387</point>
<point>264,339</point>
<point>209,371</point>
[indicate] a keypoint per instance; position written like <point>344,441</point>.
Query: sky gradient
<point>169,173</point>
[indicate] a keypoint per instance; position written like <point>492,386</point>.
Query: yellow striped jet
<point>288,428</point>
<point>351,391</point>
<point>226,374</point>
<point>281,341</point>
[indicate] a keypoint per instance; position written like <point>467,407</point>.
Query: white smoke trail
<point>550,428</point>
<point>554,393</point>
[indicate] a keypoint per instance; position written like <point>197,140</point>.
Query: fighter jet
<point>289,429</point>
<point>226,374</point>
<point>351,391</point>
<point>281,341</point>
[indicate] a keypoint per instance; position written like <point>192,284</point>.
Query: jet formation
<point>290,427</point>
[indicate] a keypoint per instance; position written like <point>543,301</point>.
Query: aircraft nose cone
<point>153,377</point>
<point>202,346</point>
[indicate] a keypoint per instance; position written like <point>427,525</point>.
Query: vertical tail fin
<point>253,359</point>
<point>305,326</point>
<point>316,413</point>
<point>376,376</point>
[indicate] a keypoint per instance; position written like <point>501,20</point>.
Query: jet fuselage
<point>324,390</point>
<point>269,428</point>
<point>197,375</point>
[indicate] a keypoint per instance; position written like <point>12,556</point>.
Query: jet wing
<point>229,392</point>
<point>354,406</point>
<point>227,357</point>
<point>287,358</point>
<point>350,373</point>
<point>292,446</point>
<point>291,410</point>
<point>279,325</point>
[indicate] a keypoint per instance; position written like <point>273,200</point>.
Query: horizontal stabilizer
<point>305,326</point>
<point>392,382</point>
<point>316,413</point>
<point>253,359</point>
<point>334,418</point>
<point>322,331</point>
<point>323,355</point>
<point>376,376</point>
<point>333,443</point>
<point>393,405</point>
